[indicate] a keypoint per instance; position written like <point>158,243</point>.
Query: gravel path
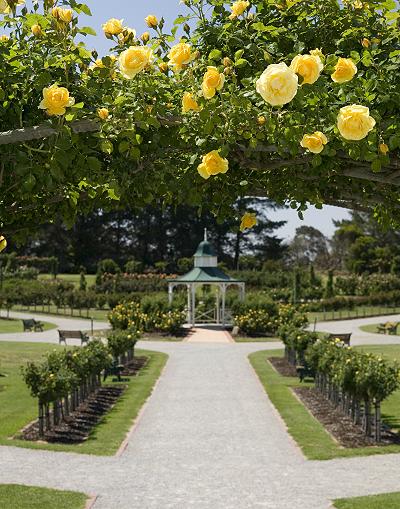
<point>51,336</point>
<point>208,438</point>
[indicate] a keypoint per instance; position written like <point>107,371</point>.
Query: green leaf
<point>87,31</point>
<point>94,163</point>
<point>107,147</point>
<point>215,54</point>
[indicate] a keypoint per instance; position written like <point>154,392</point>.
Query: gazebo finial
<point>205,234</point>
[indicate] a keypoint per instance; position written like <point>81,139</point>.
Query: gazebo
<point>206,272</point>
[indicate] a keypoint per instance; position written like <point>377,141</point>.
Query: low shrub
<point>256,322</point>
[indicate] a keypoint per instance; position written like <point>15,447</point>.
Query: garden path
<point>51,336</point>
<point>207,438</point>
<point>360,337</point>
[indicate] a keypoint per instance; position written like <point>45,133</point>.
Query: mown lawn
<point>245,339</point>
<point>373,328</point>
<point>315,442</point>
<point>71,278</point>
<point>15,496</point>
<point>18,408</point>
<point>357,312</point>
<point>386,501</point>
<point>11,325</point>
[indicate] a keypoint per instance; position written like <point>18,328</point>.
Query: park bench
<point>345,338</point>
<point>32,325</point>
<point>63,335</point>
<point>388,328</point>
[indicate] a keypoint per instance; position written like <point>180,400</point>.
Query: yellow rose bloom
<point>248,221</point>
<point>261,120</point>
<point>238,8</point>
<point>3,243</point>
<point>163,66</point>
<point>134,60</point>
<point>212,164</point>
<point>365,43</point>
<point>55,100</point>
<point>151,21</point>
<point>345,70</point>
<point>61,14</point>
<point>126,34</point>
<point>4,38</point>
<point>314,142</point>
<point>383,148</point>
<point>103,113</point>
<point>354,122</point>
<point>113,26</point>
<point>5,8</point>
<point>189,103</point>
<point>145,37</point>
<point>309,67</point>
<point>37,30</point>
<point>317,52</point>
<point>278,84</point>
<point>180,55</point>
<point>213,80</point>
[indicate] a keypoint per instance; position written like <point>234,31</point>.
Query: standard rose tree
<point>295,100</point>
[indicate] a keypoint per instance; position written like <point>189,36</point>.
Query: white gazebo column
<point>242,291</point>
<point>217,302</point>
<point>193,304</point>
<point>223,287</point>
<point>189,306</point>
<point>170,293</point>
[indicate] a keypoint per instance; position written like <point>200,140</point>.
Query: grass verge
<point>244,339</point>
<point>12,325</point>
<point>357,312</point>
<point>19,408</point>
<point>15,496</point>
<point>315,442</point>
<point>386,501</point>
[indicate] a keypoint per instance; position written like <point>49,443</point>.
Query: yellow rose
<point>248,221</point>
<point>134,60</point>
<point>103,113</point>
<point>383,148</point>
<point>317,52</point>
<point>37,30</point>
<point>113,26</point>
<point>5,8</point>
<point>213,80</point>
<point>55,100</point>
<point>189,103</point>
<point>4,38</point>
<point>126,35</point>
<point>212,164</point>
<point>309,67</point>
<point>365,43</point>
<point>163,66</point>
<point>261,120</point>
<point>278,84</point>
<point>354,122</point>
<point>314,142</point>
<point>145,37</point>
<point>345,70</point>
<point>180,55</point>
<point>3,243</point>
<point>151,21</point>
<point>238,8</point>
<point>61,14</point>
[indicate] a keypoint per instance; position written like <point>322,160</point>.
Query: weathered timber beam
<point>44,131</point>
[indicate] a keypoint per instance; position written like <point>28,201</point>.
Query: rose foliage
<point>296,100</point>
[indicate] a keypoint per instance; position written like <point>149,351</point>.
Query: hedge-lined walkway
<point>208,437</point>
<point>51,336</point>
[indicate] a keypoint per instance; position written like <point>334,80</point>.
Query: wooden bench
<point>345,338</point>
<point>63,335</point>
<point>32,325</point>
<point>388,328</point>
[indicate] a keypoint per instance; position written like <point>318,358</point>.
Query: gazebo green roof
<point>205,249</point>
<point>205,275</point>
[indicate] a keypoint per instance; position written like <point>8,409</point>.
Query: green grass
<point>386,501</point>
<point>96,314</point>
<point>11,325</point>
<point>310,435</point>
<point>71,278</point>
<point>244,339</point>
<point>18,408</point>
<point>15,496</point>
<point>357,312</point>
